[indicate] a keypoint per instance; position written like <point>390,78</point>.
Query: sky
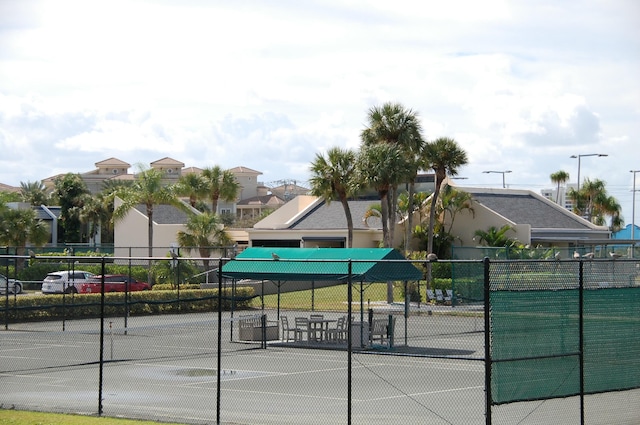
<point>520,85</point>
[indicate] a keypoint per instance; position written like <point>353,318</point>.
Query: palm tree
<point>34,193</point>
<point>451,202</point>
<point>495,237</point>
<point>221,184</point>
<point>393,124</point>
<point>335,177</point>
<point>375,210</point>
<point>382,166</point>
<point>454,201</point>
<point>192,185</point>
<point>204,231</point>
<point>19,226</point>
<point>147,189</point>
<point>444,156</point>
<point>559,177</point>
<point>94,214</point>
<point>594,203</point>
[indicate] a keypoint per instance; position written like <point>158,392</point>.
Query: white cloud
<point>521,86</point>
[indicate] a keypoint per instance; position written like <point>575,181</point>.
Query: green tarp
<point>321,264</point>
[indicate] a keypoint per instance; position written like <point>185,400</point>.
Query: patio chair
<point>286,330</point>
<point>448,296</point>
<point>439,296</point>
<point>301,327</point>
<point>339,333</point>
<point>430,295</point>
<point>380,329</point>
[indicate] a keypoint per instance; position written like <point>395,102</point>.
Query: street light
<point>499,172</point>
<point>633,209</point>
<point>580,156</point>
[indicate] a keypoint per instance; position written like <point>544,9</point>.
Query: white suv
<point>64,281</point>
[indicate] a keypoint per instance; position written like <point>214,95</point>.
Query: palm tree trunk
<point>347,213</point>
<point>384,211</point>
<point>392,202</point>
<point>409,221</point>
<point>432,219</point>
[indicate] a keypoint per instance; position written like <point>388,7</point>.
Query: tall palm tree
<point>445,157</point>
<point>559,177</point>
<point>221,185</point>
<point>396,125</point>
<point>203,232</point>
<point>35,193</point>
<point>149,190</point>
<point>382,166</point>
<point>594,204</point>
<point>192,185</point>
<point>334,176</point>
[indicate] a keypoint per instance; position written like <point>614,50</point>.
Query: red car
<point>112,283</point>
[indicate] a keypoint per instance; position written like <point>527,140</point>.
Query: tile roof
<point>264,200</point>
<point>524,208</point>
<point>325,217</point>
<point>165,214</point>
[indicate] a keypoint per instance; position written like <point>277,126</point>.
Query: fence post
<point>349,340</point>
<point>101,368</point>
<point>487,342</point>
<point>581,336</point>
<point>263,330</point>
<point>219,365</point>
<point>6,295</point>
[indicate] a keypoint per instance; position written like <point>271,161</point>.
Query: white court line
<point>450,390</point>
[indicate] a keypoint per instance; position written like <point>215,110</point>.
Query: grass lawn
<point>21,417</point>
<point>332,298</point>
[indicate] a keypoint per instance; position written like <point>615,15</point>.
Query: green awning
<point>321,264</point>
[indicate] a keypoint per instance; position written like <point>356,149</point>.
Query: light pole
<point>499,172</point>
<point>580,156</point>
<point>633,210</point>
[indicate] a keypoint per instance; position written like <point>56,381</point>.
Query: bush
<point>52,307</point>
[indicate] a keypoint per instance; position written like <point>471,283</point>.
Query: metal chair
<point>302,327</point>
<point>286,330</point>
<point>339,333</point>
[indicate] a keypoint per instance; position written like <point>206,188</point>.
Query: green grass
<point>332,298</point>
<point>21,417</point>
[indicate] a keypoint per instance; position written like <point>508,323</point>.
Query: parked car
<point>113,283</point>
<point>15,286</point>
<point>64,281</point>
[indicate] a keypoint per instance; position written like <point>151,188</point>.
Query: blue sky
<point>520,85</point>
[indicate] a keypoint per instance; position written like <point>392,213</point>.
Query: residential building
<point>554,194</point>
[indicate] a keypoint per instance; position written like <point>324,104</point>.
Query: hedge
<point>82,306</point>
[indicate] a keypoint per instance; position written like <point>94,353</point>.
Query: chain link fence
<point>525,341</point>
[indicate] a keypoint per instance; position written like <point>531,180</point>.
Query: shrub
<point>52,307</point>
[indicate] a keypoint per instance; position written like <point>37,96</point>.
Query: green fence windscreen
<point>612,339</point>
<point>535,344</point>
<point>535,341</point>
